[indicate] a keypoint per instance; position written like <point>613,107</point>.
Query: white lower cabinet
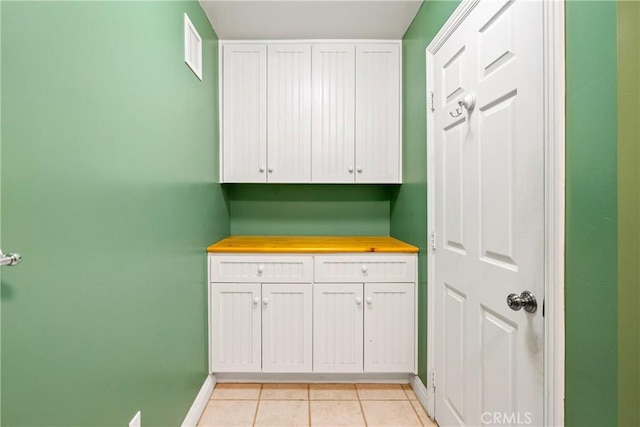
<point>337,327</point>
<point>286,327</point>
<point>389,336</point>
<point>328,326</point>
<point>260,327</point>
<point>234,327</point>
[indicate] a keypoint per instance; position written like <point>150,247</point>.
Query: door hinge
<point>433,379</point>
<point>433,108</point>
<point>432,238</point>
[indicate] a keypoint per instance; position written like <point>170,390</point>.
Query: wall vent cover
<point>192,47</point>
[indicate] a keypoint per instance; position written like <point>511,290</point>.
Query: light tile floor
<point>333,405</point>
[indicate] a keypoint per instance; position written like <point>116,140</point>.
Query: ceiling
<point>310,19</point>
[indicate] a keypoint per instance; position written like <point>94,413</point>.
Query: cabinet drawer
<point>365,268</point>
<point>261,269</point>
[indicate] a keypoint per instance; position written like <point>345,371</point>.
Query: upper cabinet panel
<point>377,115</point>
<point>244,113</point>
<point>296,112</point>
<point>289,113</point>
<point>333,113</point>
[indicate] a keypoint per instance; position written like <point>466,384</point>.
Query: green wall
<point>628,213</point>
<point>409,202</point>
<point>289,209</point>
<point>591,244</point>
<point>109,166</point>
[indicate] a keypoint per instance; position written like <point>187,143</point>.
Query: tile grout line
<point>309,402</point>
<point>364,417</point>
<point>255,414</point>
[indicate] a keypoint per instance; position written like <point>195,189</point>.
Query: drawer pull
<point>359,301</point>
<point>256,300</point>
<point>365,268</point>
<point>265,301</point>
<point>260,269</point>
<point>369,300</point>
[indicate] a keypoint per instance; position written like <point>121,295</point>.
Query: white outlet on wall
<point>136,421</point>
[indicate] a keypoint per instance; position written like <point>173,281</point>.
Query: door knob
<point>265,301</point>
<point>256,300</point>
<point>358,300</point>
<point>525,300</point>
<point>369,300</point>
<point>9,259</point>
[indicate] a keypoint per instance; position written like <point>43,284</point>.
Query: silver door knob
<point>525,300</point>
<point>9,259</point>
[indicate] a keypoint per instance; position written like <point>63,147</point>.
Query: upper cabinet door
<point>333,112</point>
<point>289,113</point>
<point>244,113</point>
<point>377,117</point>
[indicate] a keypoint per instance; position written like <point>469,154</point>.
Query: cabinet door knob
<point>260,269</point>
<point>365,268</point>
<point>270,170</point>
<point>265,301</point>
<point>369,300</point>
<point>256,300</point>
<point>359,170</point>
<point>359,301</point>
<point>261,169</point>
<point>351,169</point>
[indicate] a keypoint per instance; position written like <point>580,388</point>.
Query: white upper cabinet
<point>311,112</point>
<point>333,113</point>
<point>378,113</point>
<point>244,108</point>
<point>289,113</point>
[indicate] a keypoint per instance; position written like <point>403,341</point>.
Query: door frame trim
<point>554,199</point>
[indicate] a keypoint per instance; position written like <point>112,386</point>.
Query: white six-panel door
<point>378,113</point>
<point>333,110</point>
<point>289,113</point>
<point>244,116</point>
<point>235,332</point>
<point>489,217</point>
<point>286,327</point>
<point>337,327</point>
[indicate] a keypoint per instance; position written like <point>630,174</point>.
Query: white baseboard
<point>421,392</point>
<point>260,377</point>
<point>197,408</point>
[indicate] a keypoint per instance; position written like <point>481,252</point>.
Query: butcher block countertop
<point>310,244</point>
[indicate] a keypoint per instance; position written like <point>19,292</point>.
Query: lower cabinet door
<point>286,327</point>
<point>337,327</point>
<point>235,327</point>
<point>389,340</point>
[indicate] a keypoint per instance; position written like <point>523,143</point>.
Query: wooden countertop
<point>310,244</point>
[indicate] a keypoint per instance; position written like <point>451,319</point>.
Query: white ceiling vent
<point>192,47</point>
